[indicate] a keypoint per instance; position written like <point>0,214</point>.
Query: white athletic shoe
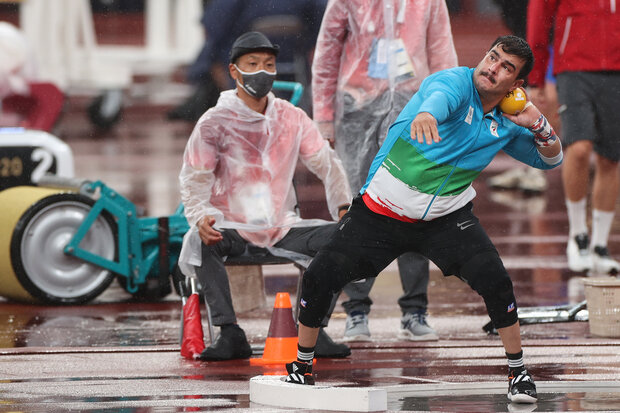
<point>578,253</point>
<point>603,263</point>
<point>533,180</point>
<point>356,328</point>
<point>520,407</point>
<point>530,204</point>
<point>507,180</point>
<point>413,327</point>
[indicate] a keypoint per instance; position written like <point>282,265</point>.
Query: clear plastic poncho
<point>371,57</point>
<point>238,167</point>
<point>366,47</point>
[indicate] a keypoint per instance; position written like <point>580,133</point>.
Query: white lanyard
<point>401,12</point>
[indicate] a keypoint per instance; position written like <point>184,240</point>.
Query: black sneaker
<point>299,373</point>
<point>326,347</point>
<point>603,263</point>
<point>230,344</point>
<point>521,387</point>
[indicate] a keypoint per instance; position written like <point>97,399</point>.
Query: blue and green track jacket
<point>418,181</point>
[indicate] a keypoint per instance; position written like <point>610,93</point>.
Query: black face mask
<point>257,84</point>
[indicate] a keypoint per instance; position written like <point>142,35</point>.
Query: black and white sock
<point>305,354</point>
<point>515,362</point>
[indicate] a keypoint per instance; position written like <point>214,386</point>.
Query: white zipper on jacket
<point>569,21</point>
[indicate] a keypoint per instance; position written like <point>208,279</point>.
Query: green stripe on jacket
<point>405,163</point>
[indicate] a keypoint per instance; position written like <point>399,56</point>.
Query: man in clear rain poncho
<point>370,58</point>
<point>236,187</point>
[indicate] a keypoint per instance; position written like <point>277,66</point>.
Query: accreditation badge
<point>385,50</point>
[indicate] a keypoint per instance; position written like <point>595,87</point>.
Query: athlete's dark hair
<point>517,46</point>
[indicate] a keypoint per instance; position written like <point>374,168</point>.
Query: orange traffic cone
<point>192,343</point>
<point>281,343</point>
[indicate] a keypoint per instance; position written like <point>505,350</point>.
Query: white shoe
<point>533,205</point>
<point>533,180</point>
<point>578,253</point>
<point>507,180</point>
<point>602,262</point>
<point>413,327</point>
<point>520,407</point>
<point>356,328</point>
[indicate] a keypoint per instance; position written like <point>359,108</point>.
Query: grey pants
<point>214,279</point>
<point>360,131</point>
<point>413,269</point>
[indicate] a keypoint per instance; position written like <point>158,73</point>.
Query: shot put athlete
<point>418,197</point>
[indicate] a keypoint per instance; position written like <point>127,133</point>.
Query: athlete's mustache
<point>488,76</point>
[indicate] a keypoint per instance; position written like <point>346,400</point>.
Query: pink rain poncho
<point>356,41</point>
<point>238,167</point>
<point>371,57</point>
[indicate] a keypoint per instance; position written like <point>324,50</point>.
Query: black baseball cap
<point>249,42</point>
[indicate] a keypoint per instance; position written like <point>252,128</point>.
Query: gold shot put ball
<point>513,102</point>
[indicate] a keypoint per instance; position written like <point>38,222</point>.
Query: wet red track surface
<point>117,354</point>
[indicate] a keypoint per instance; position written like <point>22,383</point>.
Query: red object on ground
<point>40,109</point>
<point>193,338</point>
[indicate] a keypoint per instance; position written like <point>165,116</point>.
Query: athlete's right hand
<point>208,234</point>
<point>424,128</point>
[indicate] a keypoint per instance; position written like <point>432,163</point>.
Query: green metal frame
<point>295,87</point>
<point>138,247</point>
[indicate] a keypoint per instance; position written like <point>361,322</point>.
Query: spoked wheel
<point>37,250</point>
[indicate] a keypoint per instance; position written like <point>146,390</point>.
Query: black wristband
<point>343,208</point>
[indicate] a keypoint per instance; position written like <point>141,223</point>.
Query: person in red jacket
<point>587,66</point>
